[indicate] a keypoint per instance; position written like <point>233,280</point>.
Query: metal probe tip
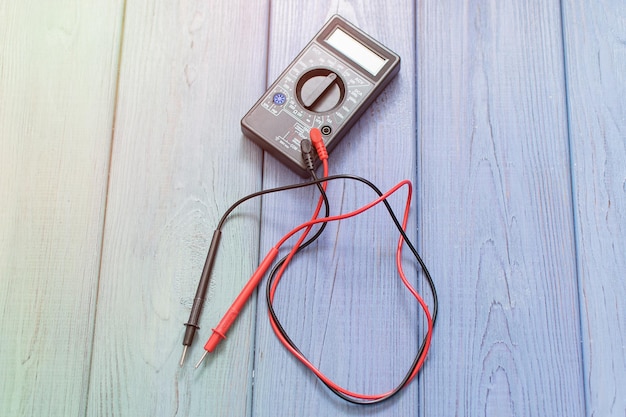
<point>201,359</point>
<point>182,358</point>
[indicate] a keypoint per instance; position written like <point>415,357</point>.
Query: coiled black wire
<point>272,277</point>
<point>318,182</point>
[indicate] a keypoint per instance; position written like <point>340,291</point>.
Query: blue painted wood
<point>595,51</point>
<point>342,301</point>
<point>519,215</point>
<point>496,215</point>
<point>178,161</point>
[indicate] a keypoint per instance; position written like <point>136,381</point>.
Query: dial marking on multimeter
<point>279,99</point>
<point>328,86</point>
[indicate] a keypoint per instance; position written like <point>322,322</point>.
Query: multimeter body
<point>328,86</point>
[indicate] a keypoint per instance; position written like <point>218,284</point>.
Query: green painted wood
<point>496,214</point>
<point>595,36</point>
<point>58,66</point>
<point>188,73</point>
<point>342,301</point>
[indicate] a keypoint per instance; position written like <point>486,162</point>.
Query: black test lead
<point>198,301</point>
<point>318,91</point>
<point>220,331</point>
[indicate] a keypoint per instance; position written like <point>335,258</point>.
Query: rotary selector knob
<point>320,90</point>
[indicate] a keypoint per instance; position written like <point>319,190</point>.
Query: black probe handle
<point>203,285</point>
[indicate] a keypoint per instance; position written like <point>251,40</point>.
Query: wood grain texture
<point>120,148</point>
<point>58,65</point>
<point>342,301</point>
<point>496,214</point>
<point>189,70</point>
<point>595,45</point>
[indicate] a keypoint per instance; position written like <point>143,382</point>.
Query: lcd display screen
<point>356,51</point>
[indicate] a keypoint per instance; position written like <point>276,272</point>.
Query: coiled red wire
<point>306,228</point>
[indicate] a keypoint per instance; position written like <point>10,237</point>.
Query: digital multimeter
<point>328,86</point>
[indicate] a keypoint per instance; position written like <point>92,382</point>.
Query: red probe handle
<point>219,332</point>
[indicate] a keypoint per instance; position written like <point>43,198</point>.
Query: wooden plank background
<point>120,150</point>
<point>498,215</point>
<point>177,164</point>
<point>595,56</point>
<point>58,76</point>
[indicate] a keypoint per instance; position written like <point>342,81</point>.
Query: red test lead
<point>219,332</point>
